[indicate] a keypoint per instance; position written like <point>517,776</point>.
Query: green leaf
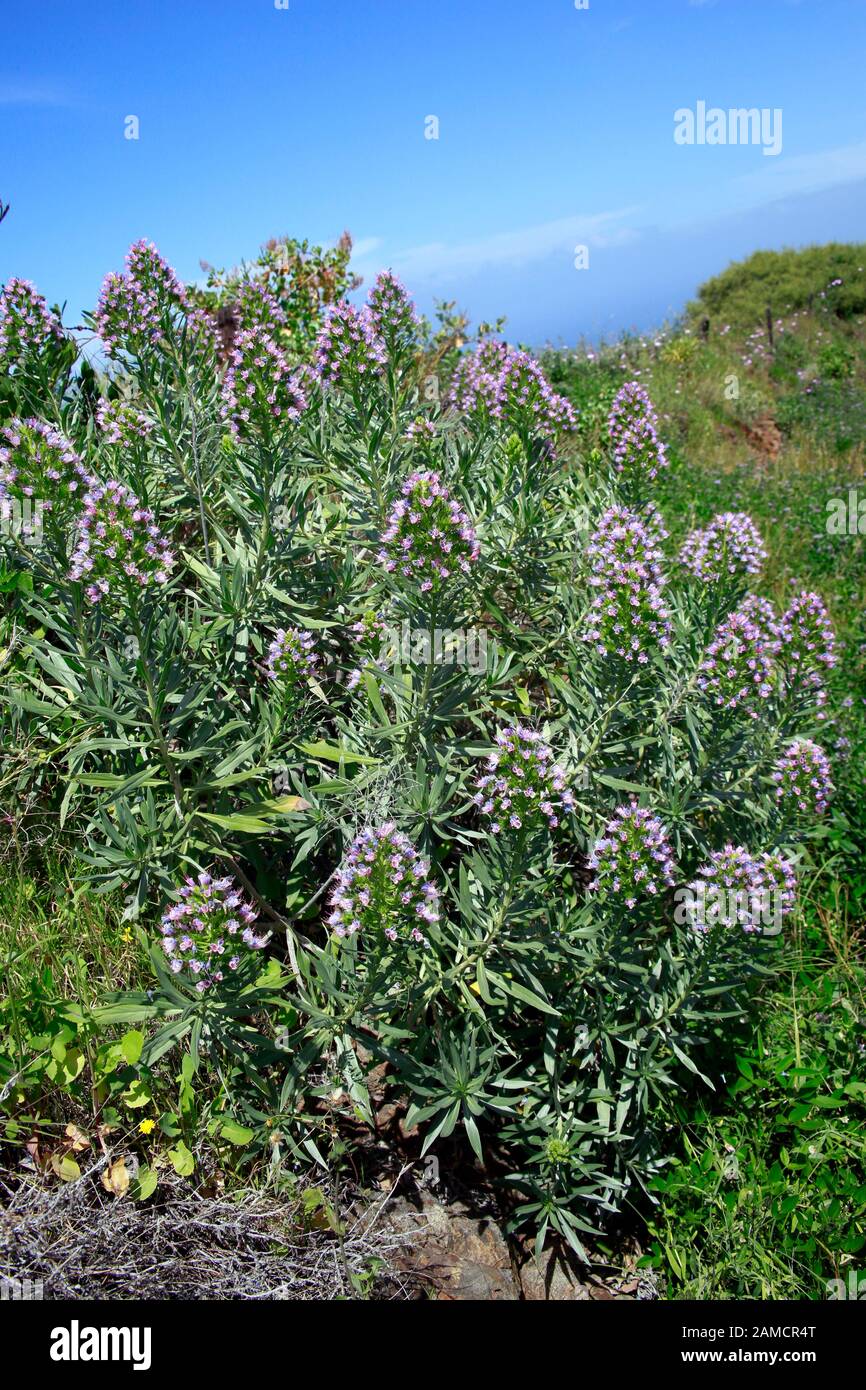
<point>236,1134</point>
<point>181,1160</point>
<point>131,1044</point>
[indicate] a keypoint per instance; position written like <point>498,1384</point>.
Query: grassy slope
<point>768,1197</point>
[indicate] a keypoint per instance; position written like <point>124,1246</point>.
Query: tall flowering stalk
<point>632,860</point>
<point>429,537</point>
<point>736,888</point>
<point>497,383</point>
<point>803,781</point>
<point>139,307</point>
<point>291,658</point>
<point>627,617</point>
<point>737,670</point>
<point>256,307</point>
<point>638,453</point>
<point>727,551</point>
<point>209,932</point>
<point>28,329</point>
<point>369,634</point>
<point>118,544</point>
<point>121,423</point>
<point>349,351</point>
<point>261,392</point>
<point>522,786</point>
<point>383,890</point>
<point>392,314</point>
<point>808,649</point>
<point>38,464</point>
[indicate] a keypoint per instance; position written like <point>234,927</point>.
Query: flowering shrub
<point>499,945</point>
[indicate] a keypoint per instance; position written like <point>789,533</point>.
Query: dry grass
<point>84,1243</point>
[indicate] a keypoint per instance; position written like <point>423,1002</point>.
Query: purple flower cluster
<point>291,656</point>
<point>737,669</point>
<point>760,611</point>
<point>121,423</point>
<point>633,428</point>
<point>37,462</point>
<point>498,383</point>
<point>627,612</point>
<point>736,888</point>
<point>729,548</point>
<point>392,313</point>
<point>256,307</point>
<point>633,858</point>
<point>808,644</point>
<point>209,930</point>
<point>348,348</point>
<point>26,324</point>
<point>260,390</point>
<point>476,386</point>
<point>118,537</point>
<point>135,308</point>
<point>522,784</point>
<point>428,536</point>
<point>383,886</point>
<point>802,777</point>
<point>421,429</point>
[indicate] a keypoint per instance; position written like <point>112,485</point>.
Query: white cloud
<point>31,94</point>
<point>806,173</point>
<point>365,246</point>
<point>441,259</point>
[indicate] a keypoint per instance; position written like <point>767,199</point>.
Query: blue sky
<point>555,129</point>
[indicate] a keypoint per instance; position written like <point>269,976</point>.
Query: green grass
<point>767,1196</point>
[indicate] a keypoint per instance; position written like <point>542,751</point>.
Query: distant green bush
<point>833,275</point>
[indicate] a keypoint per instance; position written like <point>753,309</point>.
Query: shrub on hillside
<point>468,850</point>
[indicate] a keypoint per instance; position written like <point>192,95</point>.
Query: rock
<point>462,1255</point>
<point>552,1282</point>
